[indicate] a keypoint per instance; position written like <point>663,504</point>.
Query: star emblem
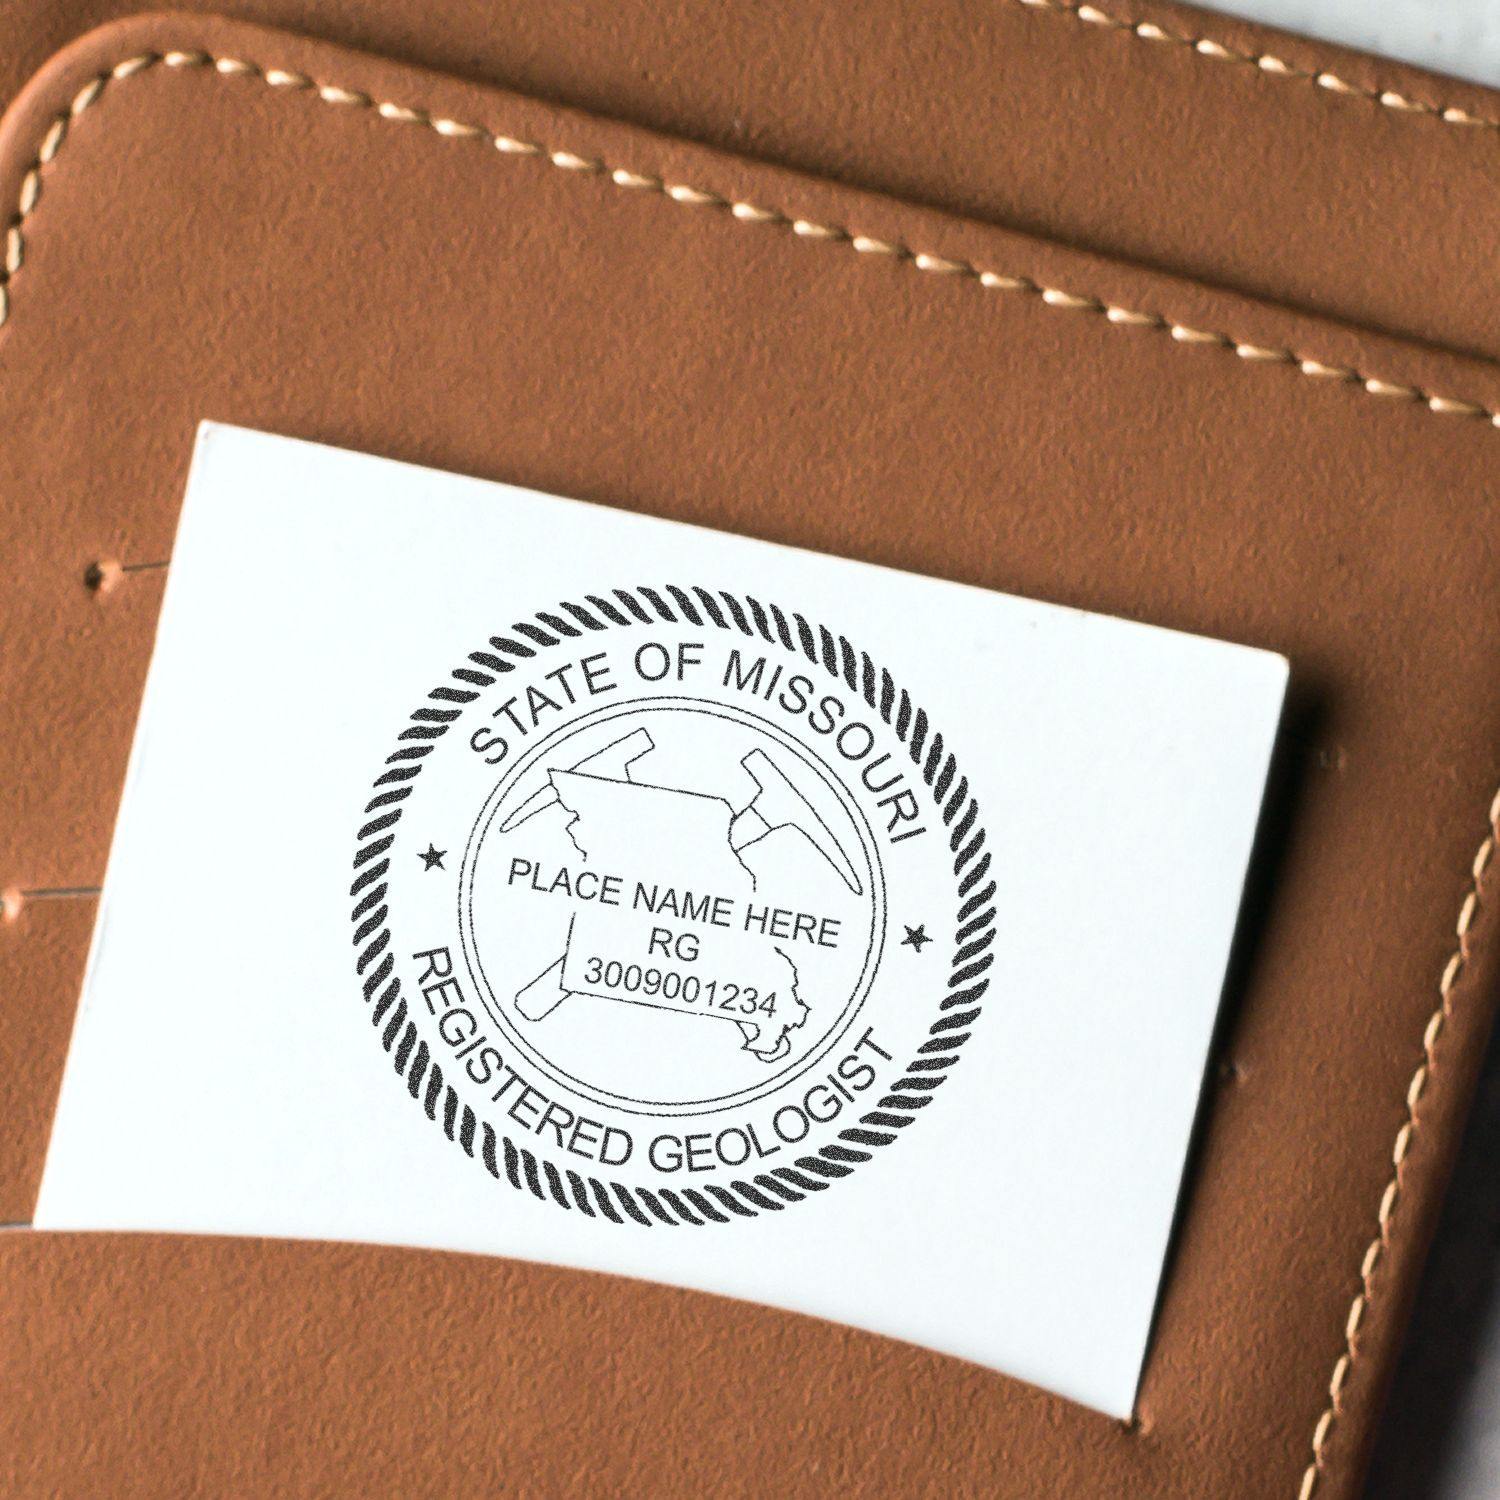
<point>433,860</point>
<point>915,937</point>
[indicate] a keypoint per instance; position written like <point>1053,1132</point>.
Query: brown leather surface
<point>1187,154</point>
<point>213,246</point>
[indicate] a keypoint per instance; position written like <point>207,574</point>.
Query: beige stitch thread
<point>1148,31</point>
<point>680,193</point>
<point>939,264</point>
<point>995,282</point>
<point>692,196</point>
<point>1324,372</point>
<point>86,96</point>
<point>1401,1149</point>
<point>696,197</point>
<point>1056,297</point>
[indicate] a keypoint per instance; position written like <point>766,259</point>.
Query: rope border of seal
<point>1400,1150</point>
<point>768,1191</point>
<point>689,196</point>
<point>1265,63</point>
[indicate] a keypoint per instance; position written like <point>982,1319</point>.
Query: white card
<point>509,874</point>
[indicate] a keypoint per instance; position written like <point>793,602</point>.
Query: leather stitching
<point>689,196</point>
<point>1391,1194</point>
<point>1053,297</point>
<point>1263,62</point>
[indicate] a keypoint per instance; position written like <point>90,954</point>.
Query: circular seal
<point>671,907</point>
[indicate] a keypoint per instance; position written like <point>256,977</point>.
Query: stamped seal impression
<point>671,907</point>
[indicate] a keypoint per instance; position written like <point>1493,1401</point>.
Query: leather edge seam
<point>688,195</point>
<point>1390,1196</point>
<point>1265,63</point>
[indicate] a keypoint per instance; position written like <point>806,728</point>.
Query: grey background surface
<point>1458,37</point>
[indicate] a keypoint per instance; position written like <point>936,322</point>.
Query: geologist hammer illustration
<point>778,804</point>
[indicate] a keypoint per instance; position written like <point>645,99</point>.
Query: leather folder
<point>1124,306</point>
